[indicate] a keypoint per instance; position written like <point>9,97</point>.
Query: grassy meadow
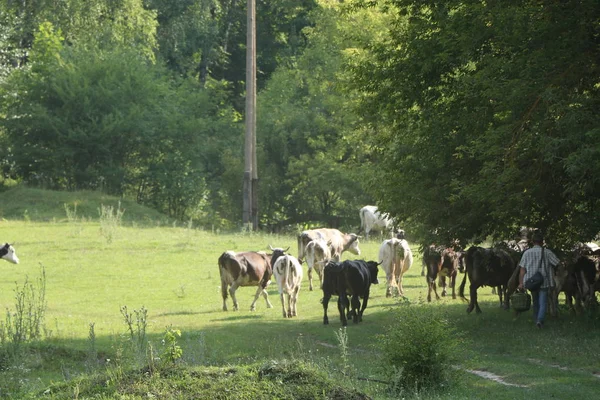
<point>92,271</point>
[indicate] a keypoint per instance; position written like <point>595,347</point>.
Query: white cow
<point>372,220</point>
<point>287,272</point>
<point>338,242</point>
<point>396,258</point>
<point>7,252</point>
<point>318,254</point>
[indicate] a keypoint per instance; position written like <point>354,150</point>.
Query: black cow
<point>441,262</point>
<point>348,278</point>
<point>487,267</point>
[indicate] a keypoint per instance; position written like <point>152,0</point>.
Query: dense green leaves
<point>490,105</point>
<point>465,119</point>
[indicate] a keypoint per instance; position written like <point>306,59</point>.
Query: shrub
<point>418,349</point>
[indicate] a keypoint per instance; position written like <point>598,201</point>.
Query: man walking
<point>538,259</point>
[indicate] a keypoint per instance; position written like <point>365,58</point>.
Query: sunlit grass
<point>173,273</point>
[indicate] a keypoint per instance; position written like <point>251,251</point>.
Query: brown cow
<point>248,268</point>
<point>441,262</point>
<point>338,242</point>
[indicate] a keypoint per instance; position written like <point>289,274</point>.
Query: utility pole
<point>250,189</point>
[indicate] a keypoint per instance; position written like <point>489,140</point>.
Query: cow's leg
<point>266,297</point>
<point>310,285</point>
<point>356,311</point>
<point>282,298</point>
<point>398,278</point>
<point>423,270</point>
<point>290,305</point>
<point>443,285</point>
<point>224,294</point>
<point>232,290</point>
<point>452,285</point>
<point>473,303</point>
<point>364,305</point>
<point>326,298</point>
<point>389,277</point>
<point>342,305</point>
<point>400,287</point>
<point>430,285</point>
<point>296,292</point>
<point>260,291</point>
<point>505,301</point>
<point>320,272</point>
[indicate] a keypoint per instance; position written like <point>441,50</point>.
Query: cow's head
<point>7,252</point>
<point>277,252</point>
<point>353,244</point>
<point>373,271</point>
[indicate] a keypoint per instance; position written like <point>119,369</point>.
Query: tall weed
<point>418,350</point>
<point>110,220</point>
<point>26,323</point>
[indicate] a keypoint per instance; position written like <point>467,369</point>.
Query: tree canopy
<point>463,119</point>
<point>487,117</point>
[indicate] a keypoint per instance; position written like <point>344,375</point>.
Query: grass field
<point>172,273</point>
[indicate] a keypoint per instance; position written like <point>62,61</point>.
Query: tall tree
<point>487,116</point>
<point>313,144</point>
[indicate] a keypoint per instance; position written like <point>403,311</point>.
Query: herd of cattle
<point>577,276</point>
<point>321,249</point>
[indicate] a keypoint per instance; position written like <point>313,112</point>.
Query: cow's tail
<point>285,271</point>
<point>468,267</point>
<point>362,220</point>
<point>223,272</point>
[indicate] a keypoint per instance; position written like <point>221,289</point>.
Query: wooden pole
<point>250,212</point>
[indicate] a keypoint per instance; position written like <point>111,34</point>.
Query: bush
<point>418,349</point>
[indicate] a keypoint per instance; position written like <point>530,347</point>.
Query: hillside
<point>21,203</point>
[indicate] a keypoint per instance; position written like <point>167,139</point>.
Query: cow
<point>287,272</point>
<point>318,254</point>
<point>8,253</point>
<point>577,277</point>
<point>348,278</point>
<point>395,258</point>
<point>338,242</point>
<point>372,220</point>
<point>441,263</point>
<point>488,267</point>
<point>248,268</point>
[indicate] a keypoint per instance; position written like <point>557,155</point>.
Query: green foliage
<point>110,220</point>
<point>419,349</point>
<point>27,322</point>
<point>311,139</point>
<point>47,45</point>
<point>110,121</point>
<point>136,325</point>
<point>486,115</point>
<point>171,351</point>
<point>77,207</point>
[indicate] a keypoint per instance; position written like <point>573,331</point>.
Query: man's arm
<point>521,275</point>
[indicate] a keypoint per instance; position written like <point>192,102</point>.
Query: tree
<point>313,145</point>
<point>484,110</point>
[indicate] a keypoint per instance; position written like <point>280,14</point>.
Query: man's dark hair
<point>537,237</point>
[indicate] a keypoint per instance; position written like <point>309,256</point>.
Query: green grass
<point>173,273</point>
<point>22,203</point>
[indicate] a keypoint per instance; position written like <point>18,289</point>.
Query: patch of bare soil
<point>492,377</point>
